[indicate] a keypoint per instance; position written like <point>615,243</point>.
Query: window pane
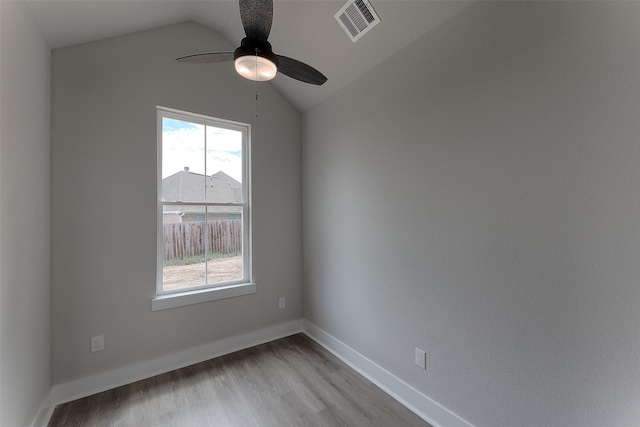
<point>224,165</point>
<point>194,247</point>
<point>225,245</point>
<point>183,164</point>
<point>184,246</point>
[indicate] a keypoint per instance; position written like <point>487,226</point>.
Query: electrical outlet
<point>421,359</point>
<point>282,303</point>
<point>97,343</point>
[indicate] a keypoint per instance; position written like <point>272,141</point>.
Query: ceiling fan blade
<point>206,58</point>
<point>257,16</point>
<point>300,71</point>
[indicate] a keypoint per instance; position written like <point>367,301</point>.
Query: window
<point>204,227</point>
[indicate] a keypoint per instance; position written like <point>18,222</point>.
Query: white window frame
<point>198,294</point>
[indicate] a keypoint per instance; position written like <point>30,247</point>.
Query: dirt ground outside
<point>219,270</point>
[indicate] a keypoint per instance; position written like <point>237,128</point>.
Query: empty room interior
<point>453,215</point>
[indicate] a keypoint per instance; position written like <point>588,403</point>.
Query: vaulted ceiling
<point>303,29</point>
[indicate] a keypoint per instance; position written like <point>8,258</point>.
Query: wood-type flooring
<point>288,382</point>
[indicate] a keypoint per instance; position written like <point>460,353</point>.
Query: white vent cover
<point>357,17</point>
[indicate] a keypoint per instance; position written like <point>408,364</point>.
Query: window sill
<point>164,302</point>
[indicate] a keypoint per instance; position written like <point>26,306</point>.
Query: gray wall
<point>104,198</point>
<point>478,196</point>
<point>25,355</point>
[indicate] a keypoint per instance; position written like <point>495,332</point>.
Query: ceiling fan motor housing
<point>250,47</point>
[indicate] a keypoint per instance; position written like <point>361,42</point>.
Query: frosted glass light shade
<point>255,67</point>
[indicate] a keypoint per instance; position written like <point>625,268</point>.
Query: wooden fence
<point>187,239</point>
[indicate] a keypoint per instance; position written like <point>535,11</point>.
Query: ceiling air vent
<point>357,17</point>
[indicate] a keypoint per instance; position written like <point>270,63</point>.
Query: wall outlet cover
<point>97,343</point>
<point>421,359</point>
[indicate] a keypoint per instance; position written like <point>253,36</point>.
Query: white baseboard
<point>419,403</point>
<point>87,386</point>
<point>45,411</point>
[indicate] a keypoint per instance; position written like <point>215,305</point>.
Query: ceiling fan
<point>254,59</point>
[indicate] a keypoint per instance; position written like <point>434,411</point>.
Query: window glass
<point>203,193</point>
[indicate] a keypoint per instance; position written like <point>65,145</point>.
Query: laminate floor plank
<point>288,382</point>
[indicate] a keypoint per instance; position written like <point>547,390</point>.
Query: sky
<point>183,144</point>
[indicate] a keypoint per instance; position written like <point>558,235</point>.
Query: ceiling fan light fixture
<point>257,68</point>
<point>254,58</point>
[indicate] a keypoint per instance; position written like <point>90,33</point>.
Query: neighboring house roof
<point>185,186</point>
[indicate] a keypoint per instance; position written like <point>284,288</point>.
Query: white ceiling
<point>302,29</point>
